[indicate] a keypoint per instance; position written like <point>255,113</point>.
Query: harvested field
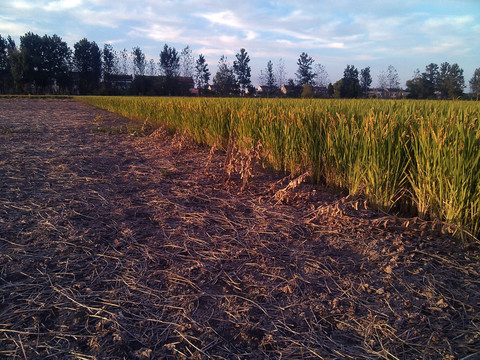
<point>114,246</point>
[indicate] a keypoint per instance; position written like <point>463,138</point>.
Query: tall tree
<point>57,60</point>
<point>139,61</point>
<point>350,86</point>
<point>87,60</point>
<point>124,56</point>
<point>365,80</point>
<point>169,66</point>
<point>152,68</point>
<point>187,62</point>
<point>321,76</point>
<point>33,69</point>
<point>242,70</point>
<point>202,74</point>
<point>415,86</point>
<point>280,73</point>
<point>383,83</point>
<point>224,80</point>
<point>109,63</point>
<point>475,82</point>
<point>430,80</point>
<point>16,65</point>
<point>267,78</point>
<point>169,62</point>
<point>44,61</point>
<point>305,74</point>
<point>393,80</point>
<point>6,50</point>
<point>450,81</point>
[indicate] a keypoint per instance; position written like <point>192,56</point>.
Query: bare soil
<point>116,246</point>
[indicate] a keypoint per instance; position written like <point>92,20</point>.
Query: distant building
<point>120,81</point>
<point>185,82</point>
<point>265,90</point>
<point>161,85</point>
<point>289,90</point>
<point>387,93</point>
<point>320,91</point>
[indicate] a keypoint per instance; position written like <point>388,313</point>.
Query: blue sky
<point>407,34</point>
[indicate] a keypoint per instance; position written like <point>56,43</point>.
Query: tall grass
<point>421,156</point>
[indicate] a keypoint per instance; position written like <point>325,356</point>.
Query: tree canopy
<point>242,70</point>
<point>365,80</point>
<point>475,82</point>
<point>446,81</point>
<point>202,74</point>
<point>224,81</point>
<point>169,61</point>
<point>305,74</point>
<point>350,86</point>
<point>87,60</point>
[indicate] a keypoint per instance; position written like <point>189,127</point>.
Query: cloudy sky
<point>407,34</point>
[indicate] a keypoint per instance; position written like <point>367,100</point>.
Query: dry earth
<point>115,246</point>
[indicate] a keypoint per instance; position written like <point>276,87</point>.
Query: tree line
<point>46,64</point>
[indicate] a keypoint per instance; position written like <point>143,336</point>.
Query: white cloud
<point>251,35</point>
<point>226,18</point>
<point>62,5</point>
<point>160,33</point>
<point>14,28</point>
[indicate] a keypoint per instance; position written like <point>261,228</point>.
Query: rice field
<point>420,158</point>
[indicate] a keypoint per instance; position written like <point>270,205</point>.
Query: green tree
<point>43,62</point>
<point>87,60</point>
<point>475,82</point>
<point>267,78</point>
<point>365,80</point>
<point>430,81</point>
<point>415,86</point>
<point>124,56</point>
<point>187,62</point>
<point>33,72</point>
<point>16,66</point>
<point>305,74</point>
<point>169,62</point>
<point>450,81</point>
<point>7,47</point>
<point>224,80</point>
<point>350,87</point>
<point>337,89</point>
<point>202,74</point>
<point>242,70</point>
<point>169,67</point>
<point>57,61</point>
<point>330,90</point>
<point>109,64</point>
<point>139,62</point>
<point>307,92</point>
<point>110,60</point>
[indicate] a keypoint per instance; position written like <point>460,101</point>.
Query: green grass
<point>414,156</point>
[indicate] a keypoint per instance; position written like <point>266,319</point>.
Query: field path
<point>115,246</point>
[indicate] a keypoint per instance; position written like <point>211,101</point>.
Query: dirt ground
<point>114,246</point>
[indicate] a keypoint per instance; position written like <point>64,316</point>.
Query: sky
<point>407,34</point>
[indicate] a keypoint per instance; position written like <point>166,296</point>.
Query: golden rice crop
<point>421,156</point>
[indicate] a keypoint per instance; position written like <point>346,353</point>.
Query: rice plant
<point>421,156</point>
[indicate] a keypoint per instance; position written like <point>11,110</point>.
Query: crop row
<point>422,157</point>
